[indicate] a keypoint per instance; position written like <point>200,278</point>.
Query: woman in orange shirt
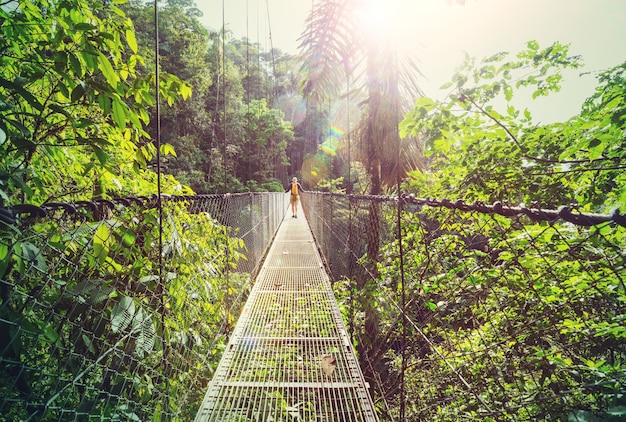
<point>295,188</point>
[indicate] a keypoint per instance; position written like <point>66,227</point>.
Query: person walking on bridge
<point>295,188</point>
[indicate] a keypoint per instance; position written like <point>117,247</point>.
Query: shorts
<point>294,199</point>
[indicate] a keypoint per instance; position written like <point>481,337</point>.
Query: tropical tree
<point>184,51</point>
<point>261,156</point>
<point>344,57</point>
<point>68,79</point>
<point>483,147</point>
<point>248,57</point>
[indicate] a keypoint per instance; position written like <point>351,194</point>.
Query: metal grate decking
<point>289,357</point>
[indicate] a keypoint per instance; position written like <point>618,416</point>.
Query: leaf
<point>107,70</point>
<point>101,294</point>
<point>105,103</point>
<point>533,45</point>
<point>14,337</point>
<point>49,332</point>
<point>103,157</point>
<point>75,65</point>
<point>88,343</point>
<point>431,305</point>
<point>617,411</point>
<point>614,103</point>
<point>23,131</point>
<point>142,324</point>
<point>168,149</point>
<point>119,113</point>
<point>174,244</point>
<point>4,250</point>
<point>32,254</point>
<point>185,91</point>
<point>122,314</point>
<point>83,26</point>
<point>129,238</point>
<point>511,111</point>
<point>77,93</point>
<point>134,119</point>
<point>60,63</point>
<point>92,291</point>
<point>61,110</point>
<point>117,10</point>
<point>90,57</point>
<point>508,92</point>
<point>30,98</point>
<point>149,278</point>
<point>100,243</point>
<point>131,40</point>
<point>107,36</point>
<point>328,364</point>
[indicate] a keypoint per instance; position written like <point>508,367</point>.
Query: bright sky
<point>436,34</point>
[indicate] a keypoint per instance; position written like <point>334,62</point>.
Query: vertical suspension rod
<point>161,289</point>
<point>399,235</point>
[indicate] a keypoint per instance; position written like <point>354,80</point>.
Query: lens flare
<point>314,169</point>
<point>336,132</point>
<point>344,117</point>
<point>329,147</point>
<point>293,107</point>
<point>378,16</point>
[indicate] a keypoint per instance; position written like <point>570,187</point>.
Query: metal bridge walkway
<point>289,357</point>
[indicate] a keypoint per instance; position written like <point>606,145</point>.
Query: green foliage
<point>82,304</point>
<point>481,153</point>
<point>505,318</point>
<point>331,185</point>
<point>262,149</point>
<point>511,312</point>
<point>595,146</point>
<point>228,113</point>
<point>91,325</point>
<point>69,82</point>
<point>513,320</point>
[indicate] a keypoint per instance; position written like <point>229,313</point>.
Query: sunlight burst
<point>378,17</point>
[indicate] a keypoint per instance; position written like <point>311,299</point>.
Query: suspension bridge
<point>141,309</point>
<point>109,312</point>
<point>218,308</point>
<point>289,357</point>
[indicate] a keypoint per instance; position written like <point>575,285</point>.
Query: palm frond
<point>328,49</point>
<point>342,59</point>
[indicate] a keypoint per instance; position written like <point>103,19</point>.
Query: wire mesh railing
<point>510,313</point>
<point>106,314</point>
<point>289,357</point>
